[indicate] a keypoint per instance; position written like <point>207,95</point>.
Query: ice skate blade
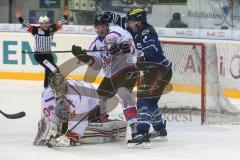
<point>159,139</point>
<point>139,146</point>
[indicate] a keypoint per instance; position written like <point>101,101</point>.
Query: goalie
<point>74,103</point>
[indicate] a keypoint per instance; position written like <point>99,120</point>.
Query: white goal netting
<point>198,87</point>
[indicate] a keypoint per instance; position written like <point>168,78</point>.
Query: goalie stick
<point>13,116</point>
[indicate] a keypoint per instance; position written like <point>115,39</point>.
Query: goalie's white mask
<point>58,85</point>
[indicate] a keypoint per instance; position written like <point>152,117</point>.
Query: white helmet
<point>43,19</point>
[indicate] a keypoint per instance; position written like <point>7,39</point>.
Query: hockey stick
<point>50,52</point>
<point>13,116</point>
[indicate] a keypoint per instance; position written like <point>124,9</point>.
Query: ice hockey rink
<point>187,140</point>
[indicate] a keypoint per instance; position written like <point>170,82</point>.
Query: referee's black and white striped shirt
<point>43,39</point>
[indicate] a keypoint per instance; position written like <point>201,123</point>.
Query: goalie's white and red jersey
<point>113,64</point>
<point>80,94</point>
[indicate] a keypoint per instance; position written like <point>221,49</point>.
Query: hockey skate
<point>139,141</point>
<point>159,136</point>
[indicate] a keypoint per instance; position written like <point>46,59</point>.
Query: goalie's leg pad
<point>45,130</point>
<point>111,131</point>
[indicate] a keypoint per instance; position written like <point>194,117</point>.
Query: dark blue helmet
<point>137,14</point>
<point>102,19</point>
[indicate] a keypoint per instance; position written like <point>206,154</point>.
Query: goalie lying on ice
<point>74,103</point>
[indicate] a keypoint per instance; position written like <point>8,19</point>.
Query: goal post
<point>197,88</point>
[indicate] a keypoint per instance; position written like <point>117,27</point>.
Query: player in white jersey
<point>114,61</point>
<point>75,103</point>
<point>118,63</point>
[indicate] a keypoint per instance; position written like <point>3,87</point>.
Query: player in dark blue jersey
<point>156,68</point>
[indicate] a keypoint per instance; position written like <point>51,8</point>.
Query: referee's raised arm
<point>64,20</point>
<point>43,37</point>
<point>24,23</point>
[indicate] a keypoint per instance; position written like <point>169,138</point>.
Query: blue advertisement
<point>121,6</point>
<point>35,14</point>
<point>49,3</point>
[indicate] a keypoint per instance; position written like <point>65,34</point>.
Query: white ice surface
<point>187,140</point>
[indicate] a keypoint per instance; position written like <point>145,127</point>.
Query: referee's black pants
<point>40,58</point>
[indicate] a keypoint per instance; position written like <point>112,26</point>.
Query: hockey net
<point>197,86</point>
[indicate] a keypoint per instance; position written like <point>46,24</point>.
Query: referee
<point>43,36</point>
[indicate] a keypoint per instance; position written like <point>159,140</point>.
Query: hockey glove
<point>81,54</point>
<point>112,17</point>
<point>77,51</point>
<point>125,47</point>
<point>114,49</point>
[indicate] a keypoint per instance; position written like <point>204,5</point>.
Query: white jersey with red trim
<point>111,65</point>
<point>83,98</point>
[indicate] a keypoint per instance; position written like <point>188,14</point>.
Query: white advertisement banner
<point>12,60</point>
<point>12,44</point>
<point>162,32</point>
<point>70,29</point>
<point>215,34</point>
<point>214,14</point>
<point>19,28</point>
<point>5,27</point>
<point>177,32</point>
<point>87,30</point>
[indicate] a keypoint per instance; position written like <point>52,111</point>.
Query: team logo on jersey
<point>145,39</point>
<point>144,32</point>
<point>110,40</point>
<point>139,45</point>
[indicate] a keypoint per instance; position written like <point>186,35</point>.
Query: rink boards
<point>17,65</point>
